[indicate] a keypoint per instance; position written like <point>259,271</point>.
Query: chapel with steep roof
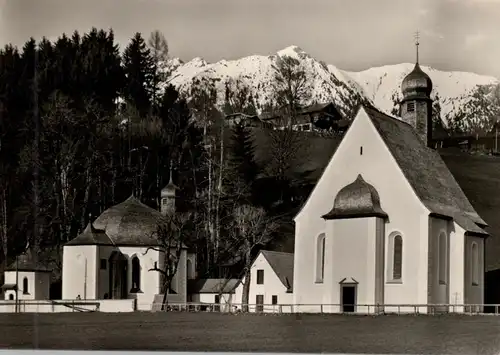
<point>387,226</point>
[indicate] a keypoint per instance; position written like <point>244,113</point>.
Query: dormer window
<point>410,107</point>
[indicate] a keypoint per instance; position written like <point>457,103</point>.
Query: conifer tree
<point>139,72</point>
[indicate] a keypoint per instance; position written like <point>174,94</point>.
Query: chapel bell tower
<point>416,106</point>
<point>168,196</point>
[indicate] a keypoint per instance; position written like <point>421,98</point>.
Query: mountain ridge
<point>456,91</point>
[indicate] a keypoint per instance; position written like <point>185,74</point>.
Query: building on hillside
<point>318,117</point>
<point>114,257</point>
<point>221,292</point>
<point>29,278</point>
<point>387,223</point>
<point>271,283</point>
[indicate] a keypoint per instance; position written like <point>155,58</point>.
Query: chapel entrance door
<point>348,298</point>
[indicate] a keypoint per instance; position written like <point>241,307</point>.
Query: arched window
<point>11,297</point>
<point>189,271</point>
<point>442,258</point>
<point>320,257</point>
<point>136,274</point>
<point>25,285</point>
<point>397,258</point>
<point>474,264</point>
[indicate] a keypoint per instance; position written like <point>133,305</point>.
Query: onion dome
<point>358,199</point>
<point>416,84</point>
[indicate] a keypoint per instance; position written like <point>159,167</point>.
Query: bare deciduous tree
<point>172,234</point>
<point>251,228</point>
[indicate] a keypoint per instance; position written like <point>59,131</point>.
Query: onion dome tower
<point>416,106</point>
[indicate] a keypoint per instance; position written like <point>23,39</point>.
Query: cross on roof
<point>417,43</point>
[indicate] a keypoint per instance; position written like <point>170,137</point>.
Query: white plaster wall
<point>457,266</point>
<point>474,294</point>
<point>67,306</point>
<point>227,300</point>
<point>351,246</point>
<point>379,169</point>
<point>272,286</point>
<point>79,272</point>
<point>439,293</point>
<point>30,293</point>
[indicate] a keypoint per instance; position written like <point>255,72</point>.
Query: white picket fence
<point>367,309</point>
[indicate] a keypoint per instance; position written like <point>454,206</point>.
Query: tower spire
<point>417,43</point>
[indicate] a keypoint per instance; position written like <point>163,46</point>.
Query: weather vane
<point>417,43</point>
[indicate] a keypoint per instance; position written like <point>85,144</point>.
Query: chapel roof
<point>130,223</point>
<point>282,265</point>
<point>91,236</point>
<point>212,285</point>
<point>26,262</point>
<point>357,199</point>
<point>426,172</point>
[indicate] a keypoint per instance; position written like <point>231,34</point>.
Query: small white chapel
<point>387,223</point>
<point>114,257</point>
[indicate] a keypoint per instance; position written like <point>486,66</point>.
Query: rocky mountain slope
<point>460,93</point>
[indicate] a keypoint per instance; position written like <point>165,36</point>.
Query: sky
<point>353,35</point>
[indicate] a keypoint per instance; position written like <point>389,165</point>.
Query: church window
<point>25,285</point>
<point>260,277</point>
<point>320,258</point>
<point>442,259</point>
<point>475,264</point>
<point>397,258</point>
<point>136,274</point>
<point>410,106</point>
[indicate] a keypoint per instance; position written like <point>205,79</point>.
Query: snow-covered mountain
<point>346,89</point>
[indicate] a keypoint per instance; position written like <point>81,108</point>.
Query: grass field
<point>263,333</point>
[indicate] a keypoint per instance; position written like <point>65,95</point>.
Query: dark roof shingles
<point>282,264</point>
<point>426,171</point>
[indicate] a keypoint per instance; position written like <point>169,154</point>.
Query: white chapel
<point>115,257</point>
<point>387,223</point>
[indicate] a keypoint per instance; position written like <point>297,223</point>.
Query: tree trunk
<point>88,184</point>
<point>5,240</point>
<point>246,290</point>
<point>246,285</point>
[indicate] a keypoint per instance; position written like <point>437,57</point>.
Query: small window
<point>442,262</point>
<point>410,107</point>
<point>217,299</point>
<point>103,264</point>
<point>260,277</point>
<point>475,264</point>
<point>136,275</point>
<point>25,285</point>
<point>397,261</point>
<point>164,201</point>
<point>275,299</point>
<point>11,297</point>
<point>360,150</point>
<point>320,258</point>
